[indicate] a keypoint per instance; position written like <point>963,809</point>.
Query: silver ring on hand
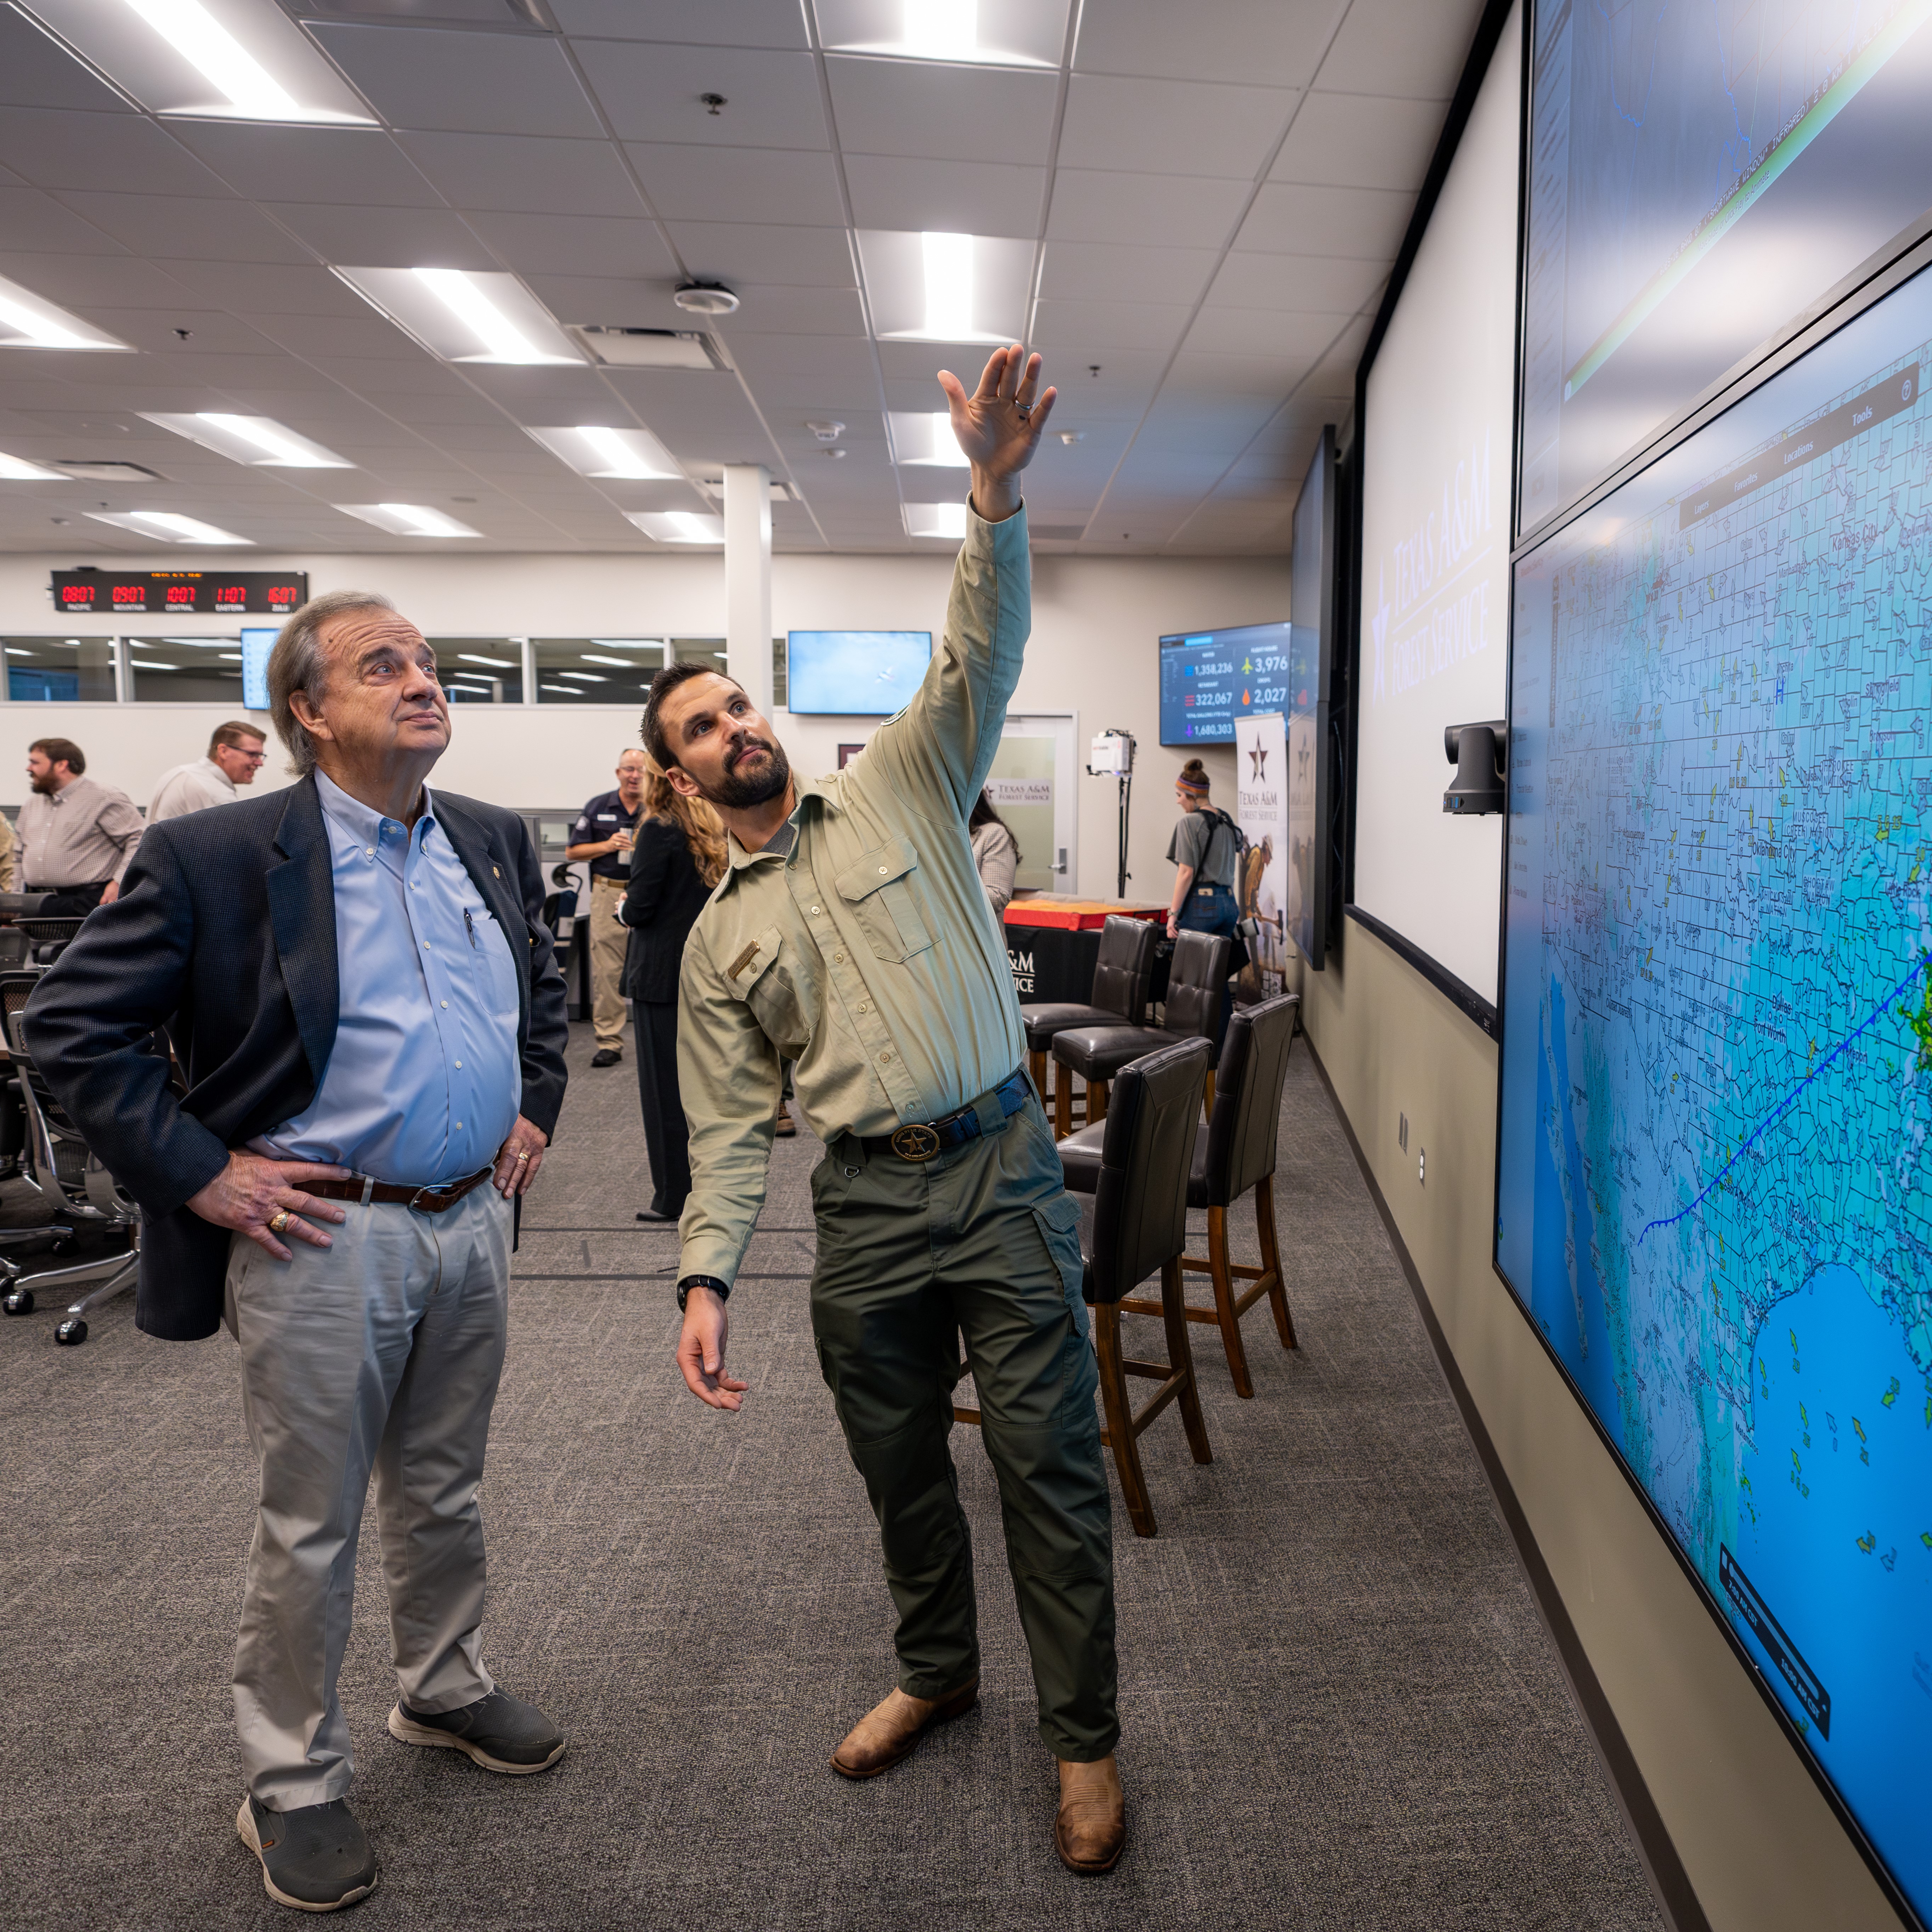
<point>1024,409</point>
<point>278,1223</point>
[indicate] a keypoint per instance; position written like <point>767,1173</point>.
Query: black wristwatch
<point>720,1289</point>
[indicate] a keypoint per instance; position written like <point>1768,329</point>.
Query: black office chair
<point>49,937</point>
<point>1119,995</point>
<point>1235,1151</point>
<point>61,1168</point>
<point>23,905</point>
<point>1196,986</point>
<point>1139,1185</point>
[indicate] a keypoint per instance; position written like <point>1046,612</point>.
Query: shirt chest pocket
<point>882,889</point>
<point>757,976</point>
<point>494,970</point>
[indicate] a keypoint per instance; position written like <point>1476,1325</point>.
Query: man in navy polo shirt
<point>602,836</point>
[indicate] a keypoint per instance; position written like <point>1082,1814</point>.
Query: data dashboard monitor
<point>853,673</point>
<point>1210,678</point>
<point>1714,1174</point>
<point>256,643</point>
<point>1699,178</point>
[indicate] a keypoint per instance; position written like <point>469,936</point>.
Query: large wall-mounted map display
<point>1715,1172</point>
<point>1698,176</point>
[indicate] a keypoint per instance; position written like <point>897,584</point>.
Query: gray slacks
<point>382,1353</point>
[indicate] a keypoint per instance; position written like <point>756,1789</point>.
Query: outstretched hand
<point>999,425</point>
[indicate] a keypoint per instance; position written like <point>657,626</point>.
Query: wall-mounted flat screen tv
<point>1210,678</point>
<point>853,673</point>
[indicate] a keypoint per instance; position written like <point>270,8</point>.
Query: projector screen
<point>1434,588</point>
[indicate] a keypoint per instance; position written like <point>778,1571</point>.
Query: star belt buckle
<point>918,1142</point>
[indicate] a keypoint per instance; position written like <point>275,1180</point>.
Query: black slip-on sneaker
<point>498,1732</point>
<point>317,1858</point>
<point>606,1056</point>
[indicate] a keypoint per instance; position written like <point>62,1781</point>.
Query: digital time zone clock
<point>187,593</point>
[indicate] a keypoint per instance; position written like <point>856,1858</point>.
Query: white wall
<point>1096,625</point>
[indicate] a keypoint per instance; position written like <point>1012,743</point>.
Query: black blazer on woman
<point>661,907</point>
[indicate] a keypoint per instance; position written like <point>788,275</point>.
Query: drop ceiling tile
<point>1275,41</point>
<point>912,367</point>
<point>30,219</point>
<point>530,173</point>
<point>651,94</point>
<point>746,23</point>
<point>569,245</point>
<point>54,148</point>
<point>688,182</point>
<point>1363,223</point>
<point>1353,140</point>
<point>1171,127</point>
<point>1200,375</point>
<point>438,412</point>
<point>1101,271</point>
<point>386,237</point>
<point>941,112</point>
<point>385,378</point>
<point>253,288</point>
<point>959,197</point>
<point>211,331</point>
<point>213,230</point>
<point>114,281</point>
<point>36,72</point>
<point>537,395</point>
<point>617,304</point>
<point>1394,47</point>
<point>1097,325</point>
<point>334,336</point>
<point>1157,211</point>
<point>765,358</point>
<point>358,165</point>
<point>493,83</point>
<point>769,308</point>
<point>745,251</point>
<point>1296,333</point>
<point>1297,282</point>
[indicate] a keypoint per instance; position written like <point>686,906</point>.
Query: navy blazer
<point>661,906</point>
<point>224,932</point>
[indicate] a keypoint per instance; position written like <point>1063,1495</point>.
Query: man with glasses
<point>235,755</point>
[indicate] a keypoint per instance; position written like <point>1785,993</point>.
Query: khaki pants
<point>981,1241</point>
<point>381,1352</point>
<point>609,941</point>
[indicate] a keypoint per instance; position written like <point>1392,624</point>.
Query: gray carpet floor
<point>1340,1709</point>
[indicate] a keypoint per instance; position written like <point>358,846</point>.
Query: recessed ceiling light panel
<point>232,60</point>
<point>408,520</point>
<point>927,439</point>
<point>465,316</point>
<point>996,33</point>
<point>593,450</point>
<point>28,322</point>
<point>170,526</point>
<point>258,440</point>
<point>18,469</point>
<point>935,519</point>
<point>941,287</point>
<point>688,526</point>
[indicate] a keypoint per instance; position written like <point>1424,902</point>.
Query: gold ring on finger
<point>278,1223</point>
<point>521,1158</point>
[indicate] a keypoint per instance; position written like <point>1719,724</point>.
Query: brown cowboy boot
<point>890,1730</point>
<point>1091,1830</point>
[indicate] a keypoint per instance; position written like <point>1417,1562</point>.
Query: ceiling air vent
<point>649,348</point>
<point>103,470</point>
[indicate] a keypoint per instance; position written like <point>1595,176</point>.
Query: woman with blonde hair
<point>678,857</point>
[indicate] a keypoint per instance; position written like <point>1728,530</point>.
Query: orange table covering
<point>1075,915</point>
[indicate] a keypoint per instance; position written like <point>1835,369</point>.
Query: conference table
<point>1053,942</point>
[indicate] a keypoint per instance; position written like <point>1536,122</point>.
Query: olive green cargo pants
<point>981,1241</point>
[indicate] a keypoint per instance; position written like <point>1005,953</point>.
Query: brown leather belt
<point>428,1200</point>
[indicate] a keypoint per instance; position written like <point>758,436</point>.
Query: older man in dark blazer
<point>360,989</point>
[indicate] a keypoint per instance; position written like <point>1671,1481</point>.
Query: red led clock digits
<point>180,593</point>
<point>129,593</point>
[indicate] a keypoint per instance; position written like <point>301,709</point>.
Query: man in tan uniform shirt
<point>851,936</point>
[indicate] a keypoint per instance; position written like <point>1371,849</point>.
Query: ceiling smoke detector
<point>621,348</point>
<point>1073,436</point>
<point>705,299</point>
<point>827,431</point>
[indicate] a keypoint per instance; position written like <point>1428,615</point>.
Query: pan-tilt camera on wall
<point>1480,754</point>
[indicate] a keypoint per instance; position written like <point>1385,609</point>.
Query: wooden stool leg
<point>1062,1103</point>
<point>1119,1413</point>
<point>1180,1359</point>
<point>1224,1301</point>
<point>1208,1101</point>
<point>1096,1101</point>
<point>1036,1066</point>
<point>1284,1322</point>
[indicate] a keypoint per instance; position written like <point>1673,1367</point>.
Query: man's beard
<point>743,794</point>
<point>45,784</point>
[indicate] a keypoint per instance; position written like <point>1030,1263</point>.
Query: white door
<point>1032,785</point>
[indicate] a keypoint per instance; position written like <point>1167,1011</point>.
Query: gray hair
<point>298,663</point>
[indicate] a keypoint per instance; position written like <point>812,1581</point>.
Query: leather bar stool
<point>1139,1179</point>
<point>1122,976</point>
<point>1233,1152</point>
<point>1197,984</point>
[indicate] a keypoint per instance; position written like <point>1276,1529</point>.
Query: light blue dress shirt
<point>424,1082</point>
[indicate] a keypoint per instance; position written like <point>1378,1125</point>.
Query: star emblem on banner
<point>1258,757</point>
